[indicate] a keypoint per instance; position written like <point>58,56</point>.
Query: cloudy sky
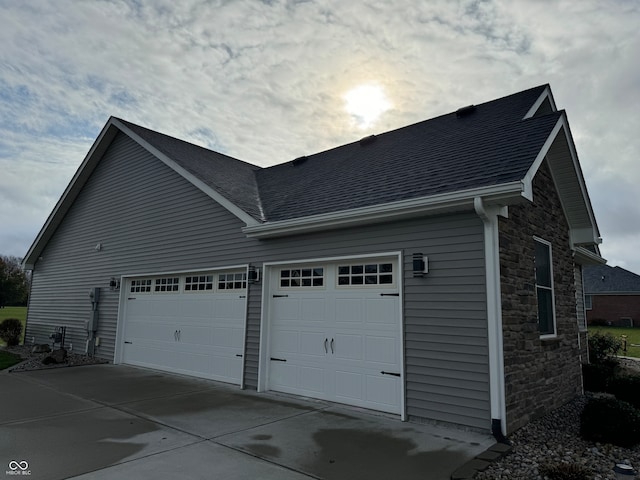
<point>268,81</point>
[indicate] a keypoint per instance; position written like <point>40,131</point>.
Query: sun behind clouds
<point>365,104</point>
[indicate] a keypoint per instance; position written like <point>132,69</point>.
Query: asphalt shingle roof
<point>606,279</point>
<point>488,146</point>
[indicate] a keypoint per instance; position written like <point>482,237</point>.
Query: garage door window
<point>200,283</point>
<point>232,281</point>
<point>141,286</point>
<point>302,277</point>
<point>171,284</point>
<point>365,274</point>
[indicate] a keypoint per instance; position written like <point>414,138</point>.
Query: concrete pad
<point>341,444</point>
<point>202,461</point>
<point>66,445</point>
<point>212,413</point>
<point>117,384</point>
<point>23,399</point>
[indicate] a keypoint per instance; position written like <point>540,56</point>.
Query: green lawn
<point>14,312</point>
<point>8,359</point>
<point>633,338</point>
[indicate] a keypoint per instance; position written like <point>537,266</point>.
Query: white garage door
<point>335,332</point>
<point>191,324</point>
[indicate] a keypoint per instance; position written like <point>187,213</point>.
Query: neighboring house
<point>612,296</point>
<point>430,272</point>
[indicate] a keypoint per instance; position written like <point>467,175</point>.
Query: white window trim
<point>552,288</point>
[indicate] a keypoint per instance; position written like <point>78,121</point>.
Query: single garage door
<point>188,323</point>
<point>335,332</point>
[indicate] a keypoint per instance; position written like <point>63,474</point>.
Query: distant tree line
<point>14,282</point>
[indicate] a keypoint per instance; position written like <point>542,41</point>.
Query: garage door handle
<point>238,355</point>
<point>278,359</point>
<point>390,373</point>
<point>325,345</point>
<point>332,346</point>
<point>389,294</point>
<point>128,342</point>
<point>280,296</point>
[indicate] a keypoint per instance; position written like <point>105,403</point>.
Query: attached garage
<point>334,331</point>
<point>190,323</point>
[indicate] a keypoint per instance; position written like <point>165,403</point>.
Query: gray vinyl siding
<point>150,220</point>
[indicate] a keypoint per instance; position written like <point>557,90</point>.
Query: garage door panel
<point>163,307</point>
<point>286,310</point>
<point>313,343</point>
<point>349,310</point>
<point>336,340</point>
<point>230,309</point>
<point>383,391</point>
<point>349,387</point>
<point>285,341</point>
<point>381,350</point>
<point>312,310</point>
<point>197,332</point>
<point>348,347</point>
<point>382,311</point>
<point>311,379</point>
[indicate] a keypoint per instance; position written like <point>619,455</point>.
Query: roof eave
<point>584,256</point>
<point>584,234</point>
<point>502,194</point>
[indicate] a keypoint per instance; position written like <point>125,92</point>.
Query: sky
<point>268,81</point>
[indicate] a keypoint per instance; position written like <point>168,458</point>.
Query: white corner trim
<point>223,201</point>
<point>489,216</point>
<point>446,202</point>
<point>546,94</point>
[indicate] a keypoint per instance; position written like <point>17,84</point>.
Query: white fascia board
<point>583,236</point>
<point>533,169</point>
<point>562,128</point>
<point>446,202</point>
<point>223,201</point>
<point>546,94</point>
<point>78,180</point>
<point>583,256</point>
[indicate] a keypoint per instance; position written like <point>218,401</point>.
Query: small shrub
<point>598,376</point>
<point>603,347</point>
<point>566,471</point>
<point>608,420</point>
<point>626,388</point>
<point>11,331</point>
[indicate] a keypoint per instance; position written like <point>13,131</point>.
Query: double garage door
<point>335,332</point>
<point>188,323</point>
<point>331,330</point>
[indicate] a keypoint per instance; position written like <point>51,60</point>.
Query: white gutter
<point>489,216</point>
<point>442,203</point>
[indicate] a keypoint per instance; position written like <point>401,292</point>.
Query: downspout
<point>489,216</point>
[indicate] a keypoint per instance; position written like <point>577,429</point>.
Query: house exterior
<point>433,272</point>
<point>612,296</point>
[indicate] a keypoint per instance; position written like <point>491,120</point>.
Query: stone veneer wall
<point>540,374</point>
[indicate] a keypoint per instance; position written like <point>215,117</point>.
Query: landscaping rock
<point>40,348</point>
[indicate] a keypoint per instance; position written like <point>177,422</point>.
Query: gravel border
<point>33,361</point>
<point>555,439</point>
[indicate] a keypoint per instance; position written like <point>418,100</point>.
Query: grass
<point>8,359</point>
<point>633,338</point>
<point>14,312</point>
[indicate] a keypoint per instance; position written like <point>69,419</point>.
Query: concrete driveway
<point>113,421</point>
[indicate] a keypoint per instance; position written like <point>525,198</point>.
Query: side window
<point>588,302</point>
<point>544,288</point>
